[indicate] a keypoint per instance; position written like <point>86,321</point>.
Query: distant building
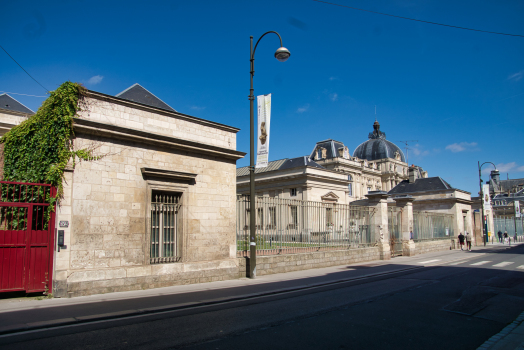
<point>330,173</point>
<point>12,113</point>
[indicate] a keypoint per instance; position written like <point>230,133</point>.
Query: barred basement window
<point>165,208</point>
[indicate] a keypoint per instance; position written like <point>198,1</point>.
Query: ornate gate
<point>395,227</point>
<point>26,238</point>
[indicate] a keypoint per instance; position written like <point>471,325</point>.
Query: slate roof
<point>331,147</point>
<point>9,103</point>
<point>139,94</point>
<point>281,164</point>
<point>421,185</point>
<point>377,147</point>
<point>505,185</point>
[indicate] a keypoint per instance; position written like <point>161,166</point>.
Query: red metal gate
<point>26,239</point>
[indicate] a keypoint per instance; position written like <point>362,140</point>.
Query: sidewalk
<point>17,316</point>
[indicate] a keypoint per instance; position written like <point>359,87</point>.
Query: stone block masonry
<point>267,265</point>
<point>424,247</point>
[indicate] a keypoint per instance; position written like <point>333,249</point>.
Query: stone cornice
<point>21,114</point>
<point>112,131</point>
<point>167,174</point>
<point>177,115</point>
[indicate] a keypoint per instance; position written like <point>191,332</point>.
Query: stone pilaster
<point>378,200</point>
<point>406,204</point>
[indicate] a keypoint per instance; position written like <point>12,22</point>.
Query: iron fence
<point>285,226</point>
<point>432,226</point>
<point>507,223</point>
<point>395,229</point>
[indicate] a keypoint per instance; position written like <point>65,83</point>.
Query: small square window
<point>293,192</point>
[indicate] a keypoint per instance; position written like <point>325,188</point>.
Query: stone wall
<point>432,246</point>
<point>267,265</point>
<point>107,202</point>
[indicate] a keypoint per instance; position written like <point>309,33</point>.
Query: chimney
<point>412,174</point>
<point>495,176</point>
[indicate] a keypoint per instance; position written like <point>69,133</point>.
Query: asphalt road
<point>449,304</point>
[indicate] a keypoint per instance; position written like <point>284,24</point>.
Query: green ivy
<point>40,148</point>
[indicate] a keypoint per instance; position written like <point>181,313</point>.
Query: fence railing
<point>507,223</point>
<point>432,226</point>
<point>285,226</point>
<point>395,229</point>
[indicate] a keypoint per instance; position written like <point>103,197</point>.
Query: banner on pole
<point>516,203</point>
<point>486,201</point>
<point>264,120</point>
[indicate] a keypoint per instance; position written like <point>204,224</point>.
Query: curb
<point>488,344</point>
<point>34,326</point>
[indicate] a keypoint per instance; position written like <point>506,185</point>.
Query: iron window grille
<point>165,208</point>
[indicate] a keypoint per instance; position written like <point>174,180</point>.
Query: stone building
<point>330,173</point>
<point>157,209</point>
<point>435,195</point>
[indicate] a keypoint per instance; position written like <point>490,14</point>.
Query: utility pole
<point>407,148</point>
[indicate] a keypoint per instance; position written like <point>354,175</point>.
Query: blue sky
<point>459,93</point>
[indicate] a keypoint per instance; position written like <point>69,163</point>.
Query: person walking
<point>461,241</point>
<point>505,237</point>
<point>500,236</point>
<point>468,241</point>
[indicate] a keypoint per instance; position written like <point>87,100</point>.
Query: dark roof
<point>137,93</point>
<point>377,147</point>
<point>281,164</point>
<point>506,185</point>
<point>331,147</point>
<point>9,103</point>
<point>421,185</point>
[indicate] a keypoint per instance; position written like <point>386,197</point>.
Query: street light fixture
<point>484,219</point>
<point>282,54</point>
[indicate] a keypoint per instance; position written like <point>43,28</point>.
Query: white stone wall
<point>106,203</point>
<point>163,124</point>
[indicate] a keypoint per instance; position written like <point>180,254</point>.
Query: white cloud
<point>417,150</point>
<point>333,78</point>
<point>95,80</point>
<point>333,97</point>
<point>197,108</point>
<point>462,146</point>
<point>303,109</point>
<point>517,76</point>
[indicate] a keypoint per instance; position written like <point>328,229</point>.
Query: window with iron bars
<point>165,208</point>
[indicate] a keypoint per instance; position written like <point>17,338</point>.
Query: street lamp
<point>484,220</point>
<point>282,54</point>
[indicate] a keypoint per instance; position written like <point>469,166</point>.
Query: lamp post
<point>282,54</point>
<point>484,220</point>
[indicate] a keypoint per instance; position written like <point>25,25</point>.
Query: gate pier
<point>406,205</point>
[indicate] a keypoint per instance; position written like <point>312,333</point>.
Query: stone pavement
<point>21,315</point>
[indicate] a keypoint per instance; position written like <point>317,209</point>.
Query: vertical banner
<point>264,119</point>
<point>486,202</point>
<point>516,203</point>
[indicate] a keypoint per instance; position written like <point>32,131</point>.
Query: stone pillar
<point>406,204</point>
<point>378,200</point>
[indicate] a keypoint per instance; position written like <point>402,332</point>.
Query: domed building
<point>377,147</point>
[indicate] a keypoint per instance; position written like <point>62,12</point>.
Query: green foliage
<point>39,149</point>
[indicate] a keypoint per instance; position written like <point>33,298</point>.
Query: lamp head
<point>282,54</point>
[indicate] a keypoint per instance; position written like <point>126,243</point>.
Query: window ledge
<point>168,174</point>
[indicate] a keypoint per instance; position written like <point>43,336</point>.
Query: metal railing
<point>285,226</point>
<point>429,226</point>
<point>395,229</point>
<point>507,223</point>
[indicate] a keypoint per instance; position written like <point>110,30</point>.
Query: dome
<point>377,147</point>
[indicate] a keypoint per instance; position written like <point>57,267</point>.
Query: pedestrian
<point>461,241</point>
<point>500,236</point>
<point>468,240</point>
<point>505,237</point>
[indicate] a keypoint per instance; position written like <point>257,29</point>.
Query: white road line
<point>457,262</point>
<point>480,263</point>
<point>520,267</point>
<point>428,261</point>
<point>502,264</point>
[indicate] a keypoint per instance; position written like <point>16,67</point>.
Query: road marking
<point>502,264</point>
<point>520,267</point>
<point>457,262</point>
<point>428,261</point>
<point>481,263</point>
